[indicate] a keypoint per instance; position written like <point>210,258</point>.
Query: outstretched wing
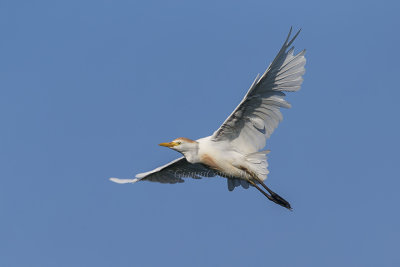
<point>171,173</point>
<point>257,116</point>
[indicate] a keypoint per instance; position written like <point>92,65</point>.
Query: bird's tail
<point>258,163</point>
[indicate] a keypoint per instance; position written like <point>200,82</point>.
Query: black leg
<point>274,197</point>
<point>279,200</point>
<point>262,191</point>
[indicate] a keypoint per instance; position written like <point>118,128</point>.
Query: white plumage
<point>233,151</point>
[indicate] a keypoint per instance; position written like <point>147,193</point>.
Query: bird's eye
<point>179,142</point>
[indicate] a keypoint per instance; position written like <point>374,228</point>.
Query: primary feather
<point>257,116</point>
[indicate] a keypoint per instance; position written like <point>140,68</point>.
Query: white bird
<point>233,151</point>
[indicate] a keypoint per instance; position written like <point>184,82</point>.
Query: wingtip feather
<point>294,37</point>
<point>123,181</point>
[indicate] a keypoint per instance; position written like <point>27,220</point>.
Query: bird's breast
<point>221,164</point>
<point>208,160</point>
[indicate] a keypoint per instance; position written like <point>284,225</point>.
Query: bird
<point>235,150</point>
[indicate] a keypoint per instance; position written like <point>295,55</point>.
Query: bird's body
<point>218,156</point>
<point>224,159</point>
<point>233,151</point>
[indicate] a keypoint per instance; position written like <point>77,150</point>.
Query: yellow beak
<point>170,144</point>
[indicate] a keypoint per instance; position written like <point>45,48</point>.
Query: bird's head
<point>181,144</point>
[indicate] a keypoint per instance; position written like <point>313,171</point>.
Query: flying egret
<point>233,151</point>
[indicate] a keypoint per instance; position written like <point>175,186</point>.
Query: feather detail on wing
<point>171,173</point>
<point>258,114</point>
<point>123,181</point>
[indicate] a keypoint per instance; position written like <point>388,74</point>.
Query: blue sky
<point>89,88</point>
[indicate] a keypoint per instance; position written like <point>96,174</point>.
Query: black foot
<point>280,201</point>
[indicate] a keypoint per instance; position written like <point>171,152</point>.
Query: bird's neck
<point>192,154</point>
<point>191,157</point>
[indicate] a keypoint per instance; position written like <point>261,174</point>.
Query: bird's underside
<point>175,171</point>
<point>233,151</point>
